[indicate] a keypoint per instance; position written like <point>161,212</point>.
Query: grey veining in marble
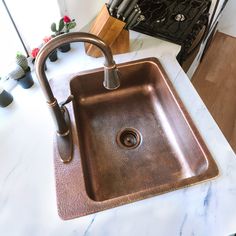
<point>27,186</point>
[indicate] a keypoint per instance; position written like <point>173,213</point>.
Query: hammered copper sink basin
<point>130,143</point>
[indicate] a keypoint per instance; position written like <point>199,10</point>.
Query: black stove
<point>171,19</point>
<point>178,21</point>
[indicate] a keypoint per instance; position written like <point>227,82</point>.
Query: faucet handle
<point>68,100</point>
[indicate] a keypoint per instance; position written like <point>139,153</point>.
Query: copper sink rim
<point>153,189</point>
<point>210,174</point>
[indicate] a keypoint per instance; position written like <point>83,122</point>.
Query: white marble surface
<point>27,191</point>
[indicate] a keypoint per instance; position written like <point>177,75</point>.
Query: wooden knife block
<point>111,31</point>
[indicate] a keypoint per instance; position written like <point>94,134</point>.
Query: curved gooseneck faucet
<point>59,112</point>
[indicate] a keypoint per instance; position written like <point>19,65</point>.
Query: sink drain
<point>129,138</point>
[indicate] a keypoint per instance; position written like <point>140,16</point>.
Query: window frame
<point>15,27</point>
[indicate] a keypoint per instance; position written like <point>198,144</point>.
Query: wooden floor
<point>215,81</point>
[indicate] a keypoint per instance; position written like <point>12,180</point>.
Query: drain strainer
<point>129,138</point>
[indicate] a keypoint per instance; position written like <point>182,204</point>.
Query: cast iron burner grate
<point>173,20</point>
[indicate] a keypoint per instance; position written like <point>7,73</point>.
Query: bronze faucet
<point>60,112</point>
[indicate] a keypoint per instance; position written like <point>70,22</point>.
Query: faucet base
<point>65,142</point>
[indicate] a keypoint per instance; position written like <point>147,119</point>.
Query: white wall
<point>34,19</point>
<point>83,11</point>
<point>227,23</point>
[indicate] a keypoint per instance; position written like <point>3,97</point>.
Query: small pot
<point>26,81</point>
<point>53,56</point>
<point>28,69</point>
<point>5,98</point>
<point>65,48</point>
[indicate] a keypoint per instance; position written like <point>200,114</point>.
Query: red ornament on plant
<point>66,19</point>
<point>34,52</point>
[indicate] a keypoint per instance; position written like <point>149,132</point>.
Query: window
<point>32,19</point>
<point>10,42</point>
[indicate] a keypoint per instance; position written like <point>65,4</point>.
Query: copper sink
<point>131,143</point>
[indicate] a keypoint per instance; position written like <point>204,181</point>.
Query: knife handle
<point>113,5</point>
<point>129,9</point>
<point>131,16</point>
<point>134,20</point>
<point>122,7</point>
<point>140,18</point>
<point>109,3</point>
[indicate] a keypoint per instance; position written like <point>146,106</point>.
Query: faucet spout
<point>111,78</point>
<point>111,81</point>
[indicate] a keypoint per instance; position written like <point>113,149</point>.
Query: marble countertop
<point>27,184</point>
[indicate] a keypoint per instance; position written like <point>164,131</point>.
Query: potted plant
<point>69,24</point>
<point>64,26</point>
<point>22,71</point>
<point>57,30</point>
<point>53,55</point>
<point>22,61</point>
<point>34,54</point>
<point>5,98</point>
<point>18,74</point>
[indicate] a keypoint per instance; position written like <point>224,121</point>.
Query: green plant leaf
<point>61,25</point>
<point>71,25</point>
<point>53,27</point>
<point>18,54</point>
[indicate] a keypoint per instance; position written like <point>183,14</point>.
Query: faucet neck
<point>59,112</point>
<point>53,45</point>
<point>64,39</point>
